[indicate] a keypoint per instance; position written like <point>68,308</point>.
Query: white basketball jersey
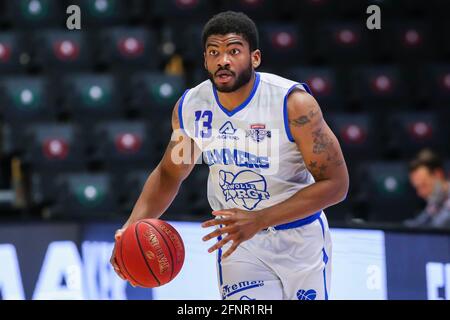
<point>253,160</point>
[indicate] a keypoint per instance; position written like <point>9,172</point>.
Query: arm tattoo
<point>302,120</point>
<point>299,122</point>
<point>323,144</point>
<point>317,172</point>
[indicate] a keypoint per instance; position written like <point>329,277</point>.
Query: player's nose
<point>224,60</point>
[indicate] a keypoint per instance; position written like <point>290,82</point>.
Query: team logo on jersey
<point>306,294</point>
<point>227,131</point>
<point>245,189</point>
<point>235,157</point>
<point>258,132</point>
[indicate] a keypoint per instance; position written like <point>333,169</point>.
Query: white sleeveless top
<point>253,160</point>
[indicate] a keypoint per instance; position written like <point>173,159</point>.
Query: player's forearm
<point>158,193</point>
<point>305,202</point>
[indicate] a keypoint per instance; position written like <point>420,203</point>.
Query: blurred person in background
<point>427,176</point>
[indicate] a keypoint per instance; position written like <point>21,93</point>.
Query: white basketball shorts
<point>292,262</point>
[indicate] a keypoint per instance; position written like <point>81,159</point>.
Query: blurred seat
<point>341,212</point>
<point>13,54</point>
<point>26,99</point>
<point>282,44</point>
<point>35,13</point>
<point>129,47</point>
<point>196,77</point>
<point>53,146</point>
<point>388,194</point>
<point>155,94</point>
<point>198,184</point>
<point>191,47</point>
<point>434,85</point>
<point>390,9</point>
<point>256,9</point>
<point>90,97</point>
<point>85,196</point>
<point>184,40</point>
<point>351,9</point>
<point>413,131</point>
<point>357,136</point>
<point>119,143</point>
<point>313,10</point>
<point>323,83</point>
<point>342,42</point>
<point>198,10</point>
<point>409,41</point>
<point>379,87</point>
<point>62,50</point>
<point>10,139</point>
<point>133,183</point>
<point>43,187</point>
<point>105,12</point>
<point>182,206</point>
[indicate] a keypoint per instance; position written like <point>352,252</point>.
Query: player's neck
<point>231,100</point>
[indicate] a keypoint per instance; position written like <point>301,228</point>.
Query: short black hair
<point>232,22</point>
<point>428,159</point>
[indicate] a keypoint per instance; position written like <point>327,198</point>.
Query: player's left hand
<point>239,225</point>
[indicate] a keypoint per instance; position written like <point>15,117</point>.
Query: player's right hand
<point>113,260</point>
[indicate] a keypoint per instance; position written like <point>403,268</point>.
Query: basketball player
<point>273,237</point>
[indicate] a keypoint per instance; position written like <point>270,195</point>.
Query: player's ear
<point>256,58</point>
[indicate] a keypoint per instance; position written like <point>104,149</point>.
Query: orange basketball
<point>150,253</point>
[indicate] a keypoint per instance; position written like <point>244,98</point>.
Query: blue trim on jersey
<point>219,262</point>
<point>285,113</point>
<point>325,259</point>
<point>325,284</point>
<point>300,222</point>
<point>306,88</point>
<point>244,104</point>
<point>323,227</point>
<point>180,110</point>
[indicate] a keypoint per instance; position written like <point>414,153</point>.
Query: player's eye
<point>212,52</point>
<point>235,51</point>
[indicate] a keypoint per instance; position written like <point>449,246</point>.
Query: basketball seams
<point>176,232</point>
<point>124,266</point>
<point>169,226</point>
<point>167,245</point>
<point>143,254</point>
